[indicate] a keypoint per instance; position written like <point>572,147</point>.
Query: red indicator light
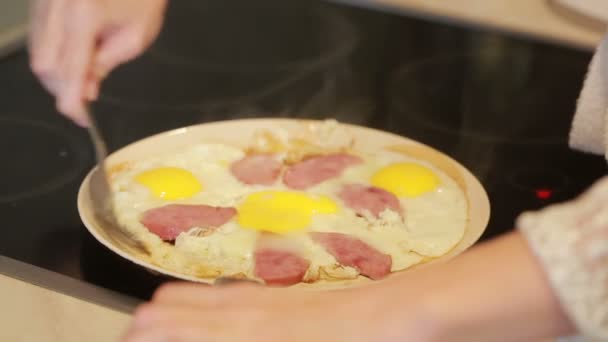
<point>543,194</point>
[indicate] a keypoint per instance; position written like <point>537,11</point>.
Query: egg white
<point>433,224</point>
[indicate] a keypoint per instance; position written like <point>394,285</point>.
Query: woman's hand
<point>74,44</point>
<point>188,312</point>
<point>497,291</point>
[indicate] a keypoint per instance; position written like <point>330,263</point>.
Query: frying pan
<point>241,133</point>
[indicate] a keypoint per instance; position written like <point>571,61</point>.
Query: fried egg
<point>282,211</point>
<point>406,179</point>
<point>433,222</point>
<point>170,183</point>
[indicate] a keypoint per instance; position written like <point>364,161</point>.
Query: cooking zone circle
<point>201,61</point>
<point>43,159</point>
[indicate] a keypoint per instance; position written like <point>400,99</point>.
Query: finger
<point>92,87</point>
<point>154,334</point>
<point>187,293</point>
<point>46,36</point>
<point>50,84</point>
<point>162,334</point>
<point>112,51</point>
<point>77,52</point>
<point>78,117</point>
<point>168,315</point>
<point>207,296</point>
<point>182,323</point>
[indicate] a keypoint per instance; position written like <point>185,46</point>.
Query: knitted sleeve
<point>571,242</point>
<point>590,120</point>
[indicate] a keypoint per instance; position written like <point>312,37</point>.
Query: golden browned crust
<point>118,168</point>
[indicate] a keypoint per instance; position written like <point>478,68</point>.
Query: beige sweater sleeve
<point>589,124</point>
<point>571,239</point>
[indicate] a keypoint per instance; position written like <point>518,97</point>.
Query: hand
<point>74,44</point>
<point>469,299</point>
<point>189,312</point>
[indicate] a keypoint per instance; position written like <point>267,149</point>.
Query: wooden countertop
<point>32,313</point>
<point>544,19</point>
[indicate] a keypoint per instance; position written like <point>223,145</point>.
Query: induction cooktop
<point>499,104</point>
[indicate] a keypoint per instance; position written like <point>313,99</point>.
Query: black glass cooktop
<point>498,104</point>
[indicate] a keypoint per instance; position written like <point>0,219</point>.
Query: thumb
<point>115,49</point>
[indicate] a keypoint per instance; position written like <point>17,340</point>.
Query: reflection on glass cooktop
<point>500,105</point>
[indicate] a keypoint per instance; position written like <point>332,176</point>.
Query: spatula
<point>102,193</point>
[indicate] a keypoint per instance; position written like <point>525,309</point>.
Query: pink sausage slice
<point>279,267</point>
<point>169,221</point>
<point>375,200</point>
<point>257,169</point>
<point>315,170</point>
<point>350,251</point>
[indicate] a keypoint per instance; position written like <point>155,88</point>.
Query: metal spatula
<point>102,193</point>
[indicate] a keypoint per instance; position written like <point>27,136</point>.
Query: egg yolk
<point>406,179</point>
<point>282,211</point>
<point>170,183</point>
